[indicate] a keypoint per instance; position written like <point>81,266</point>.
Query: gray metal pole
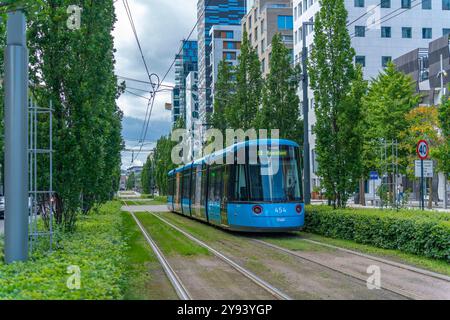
<point>16,142</point>
<point>306,151</point>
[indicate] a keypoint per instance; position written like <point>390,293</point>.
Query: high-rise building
<point>210,13</point>
<point>380,30</point>
<point>225,46</point>
<point>193,124</point>
<point>265,19</point>
<point>185,62</point>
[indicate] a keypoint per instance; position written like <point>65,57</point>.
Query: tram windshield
<point>276,177</point>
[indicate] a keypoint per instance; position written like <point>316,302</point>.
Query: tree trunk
<point>362,192</point>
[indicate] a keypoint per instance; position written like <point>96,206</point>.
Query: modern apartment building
<point>225,46</point>
<point>381,30</point>
<point>185,62</point>
<point>210,13</point>
<point>430,69</point>
<point>193,124</point>
<point>265,19</point>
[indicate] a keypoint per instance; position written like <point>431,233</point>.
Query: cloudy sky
<point>161,25</point>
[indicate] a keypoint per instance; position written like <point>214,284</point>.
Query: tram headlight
<point>257,210</point>
<point>298,208</point>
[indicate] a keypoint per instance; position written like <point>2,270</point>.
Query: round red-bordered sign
<point>422,149</point>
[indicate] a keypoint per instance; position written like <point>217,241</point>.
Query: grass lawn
<point>96,248</point>
<point>170,241</point>
<point>144,278</point>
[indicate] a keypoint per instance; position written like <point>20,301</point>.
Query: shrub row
<point>96,247</point>
<point>417,232</point>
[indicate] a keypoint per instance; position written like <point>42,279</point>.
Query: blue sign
<point>374,175</point>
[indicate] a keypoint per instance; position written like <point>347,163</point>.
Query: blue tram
<point>259,196</point>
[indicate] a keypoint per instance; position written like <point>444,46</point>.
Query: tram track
<point>385,261</point>
<point>357,273</point>
<point>178,286</point>
<point>406,294</point>
<point>175,280</point>
<point>276,293</point>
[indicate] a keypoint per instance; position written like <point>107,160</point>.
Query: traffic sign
<point>427,168</point>
<point>374,175</point>
<point>422,149</point>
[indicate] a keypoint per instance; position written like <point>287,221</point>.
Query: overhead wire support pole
<point>306,151</point>
<point>16,139</point>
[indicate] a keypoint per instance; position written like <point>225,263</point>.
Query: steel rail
<point>248,274</point>
<point>406,294</point>
<point>385,261</point>
<point>180,289</point>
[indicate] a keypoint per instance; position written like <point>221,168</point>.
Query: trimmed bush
<point>421,233</point>
<point>96,247</point>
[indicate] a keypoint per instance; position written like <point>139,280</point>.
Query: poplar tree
<point>280,103</point>
<point>75,70</point>
<point>223,94</point>
<point>247,97</point>
<point>331,72</point>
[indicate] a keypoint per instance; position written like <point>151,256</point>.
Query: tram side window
<point>194,176</point>
<point>211,184</point>
<point>218,184</point>
<point>237,184</point>
<point>204,187</point>
<point>170,186</point>
<point>186,178</point>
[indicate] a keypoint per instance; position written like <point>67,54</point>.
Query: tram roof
<point>214,156</point>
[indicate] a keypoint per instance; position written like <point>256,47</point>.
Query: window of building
<point>285,23</point>
<point>360,60</point>
<point>426,4</point>
<point>446,31</point>
<point>406,4</point>
<point>229,55</point>
<point>263,65</point>
<point>427,33</point>
<point>445,4</point>
<point>256,33</point>
<point>386,32</point>
<point>385,60</point>
<point>360,31</point>
<point>359,3</point>
<point>385,3</point>
<point>407,32</point>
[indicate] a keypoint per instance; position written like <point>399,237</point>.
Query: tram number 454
<point>280,210</point>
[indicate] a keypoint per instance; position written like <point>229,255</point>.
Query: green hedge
<point>417,232</point>
<point>96,246</point>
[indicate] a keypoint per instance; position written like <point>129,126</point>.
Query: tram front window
<point>276,179</point>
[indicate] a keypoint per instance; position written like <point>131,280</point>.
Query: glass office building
<point>185,62</point>
<point>218,12</point>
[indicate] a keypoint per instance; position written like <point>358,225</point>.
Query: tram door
<point>215,193</point>
<point>196,194</point>
<point>177,196</point>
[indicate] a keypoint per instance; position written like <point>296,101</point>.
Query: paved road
<point>1,226</point>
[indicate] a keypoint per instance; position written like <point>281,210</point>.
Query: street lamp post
<point>306,151</point>
<point>16,139</point>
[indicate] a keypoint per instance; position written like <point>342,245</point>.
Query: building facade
<point>225,46</point>
<point>430,69</point>
<point>193,123</point>
<point>380,30</point>
<point>265,19</point>
<point>210,13</point>
<point>185,62</point>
